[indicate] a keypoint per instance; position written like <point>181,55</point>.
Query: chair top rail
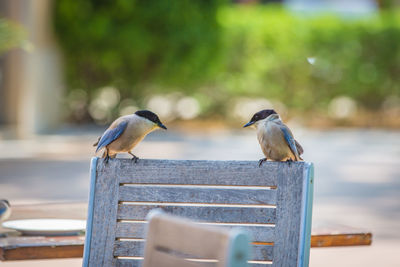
<point>195,172</point>
<point>183,172</point>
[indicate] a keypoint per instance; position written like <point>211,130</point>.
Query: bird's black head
<point>260,116</point>
<point>151,116</point>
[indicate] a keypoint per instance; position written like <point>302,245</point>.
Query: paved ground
<point>357,179</point>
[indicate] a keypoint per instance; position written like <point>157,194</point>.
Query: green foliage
<point>129,43</point>
<point>11,35</point>
<point>267,51</point>
<point>217,52</point>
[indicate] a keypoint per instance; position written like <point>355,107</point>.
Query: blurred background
<point>330,68</point>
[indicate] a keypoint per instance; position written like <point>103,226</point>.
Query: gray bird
<point>126,132</point>
<point>275,138</point>
<point>5,209</point>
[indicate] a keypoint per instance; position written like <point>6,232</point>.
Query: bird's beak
<point>248,124</point>
<point>161,126</point>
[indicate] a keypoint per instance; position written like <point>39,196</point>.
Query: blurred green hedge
<point>267,51</point>
<point>128,43</point>
<point>215,52</point>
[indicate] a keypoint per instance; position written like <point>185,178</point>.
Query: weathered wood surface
<point>287,229</point>
<point>221,214</point>
<point>138,263</point>
<point>104,216</point>
<point>201,194</point>
<point>195,172</point>
<point>339,240</point>
<point>25,248</point>
<point>208,191</point>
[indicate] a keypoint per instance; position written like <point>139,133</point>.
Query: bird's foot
<point>134,158</point>
<point>261,161</point>
<point>289,161</point>
<point>106,159</point>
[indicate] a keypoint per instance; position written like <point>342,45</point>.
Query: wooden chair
<point>176,242</point>
<point>272,203</point>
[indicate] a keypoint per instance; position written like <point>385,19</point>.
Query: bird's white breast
<point>137,128</point>
<point>271,139</point>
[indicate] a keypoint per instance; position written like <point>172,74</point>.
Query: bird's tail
<point>296,156</point>
<point>98,140</point>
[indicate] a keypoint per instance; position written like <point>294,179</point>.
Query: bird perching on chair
<point>126,132</point>
<point>275,138</point>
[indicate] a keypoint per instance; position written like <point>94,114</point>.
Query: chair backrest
<point>273,203</point>
<point>172,241</point>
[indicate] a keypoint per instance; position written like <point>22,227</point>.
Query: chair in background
<point>176,242</point>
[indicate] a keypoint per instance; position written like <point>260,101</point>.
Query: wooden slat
<point>262,252</point>
<point>34,253</point>
<point>228,195</point>
<point>289,200</point>
<point>338,240</point>
<point>129,248</point>
<point>131,230</point>
<point>136,249</point>
<point>138,230</point>
<point>104,217</point>
<point>138,263</point>
<point>30,248</point>
<point>222,214</point>
<point>195,172</point>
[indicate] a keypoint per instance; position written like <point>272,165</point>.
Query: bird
<point>126,132</point>
<point>5,209</point>
<point>275,138</point>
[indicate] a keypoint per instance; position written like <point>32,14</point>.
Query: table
<point>14,247</point>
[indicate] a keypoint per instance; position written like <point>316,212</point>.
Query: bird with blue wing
<point>275,138</point>
<point>126,132</point>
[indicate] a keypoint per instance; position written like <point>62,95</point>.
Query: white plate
<point>47,227</point>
